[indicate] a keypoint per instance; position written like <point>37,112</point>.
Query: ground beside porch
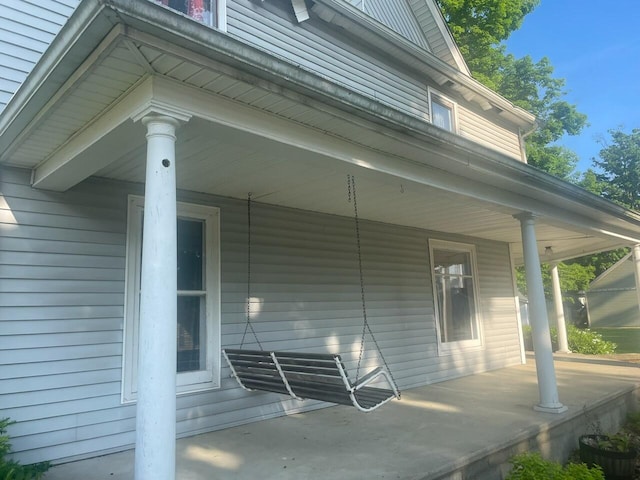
<point>463,428</point>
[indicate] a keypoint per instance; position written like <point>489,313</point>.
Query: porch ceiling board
<point>83,102</point>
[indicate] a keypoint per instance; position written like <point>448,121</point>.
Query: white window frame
<point>187,382</point>
<point>448,348</point>
<point>439,98</point>
<point>220,14</point>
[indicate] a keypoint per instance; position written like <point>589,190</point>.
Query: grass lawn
<point>627,339</point>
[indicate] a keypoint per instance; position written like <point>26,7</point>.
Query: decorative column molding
<point>545,369</point>
<point>563,344</point>
<point>636,269</point>
<point>155,454</point>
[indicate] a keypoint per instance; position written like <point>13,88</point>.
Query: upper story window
<point>454,276</point>
<point>443,111</point>
<point>209,12</point>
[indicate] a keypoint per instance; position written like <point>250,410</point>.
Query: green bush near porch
<point>12,470</point>
<point>580,340</point>
<point>531,466</point>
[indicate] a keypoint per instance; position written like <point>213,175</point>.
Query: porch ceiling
<point>287,145</point>
<point>221,160</point>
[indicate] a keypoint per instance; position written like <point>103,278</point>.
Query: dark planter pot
<point>615,465</point>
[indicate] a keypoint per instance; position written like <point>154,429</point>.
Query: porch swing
<point>318,376</point>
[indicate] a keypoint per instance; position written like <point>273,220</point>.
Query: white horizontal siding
<point>328,55</point>
<point>613,308</point>
<point>62,313</point>
<point>481,130</point>
<point>27,27</point>
<point>397,15</point>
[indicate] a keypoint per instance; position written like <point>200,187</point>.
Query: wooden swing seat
<point>319,376</point>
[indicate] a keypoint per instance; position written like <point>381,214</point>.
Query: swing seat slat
<point>319,376</point>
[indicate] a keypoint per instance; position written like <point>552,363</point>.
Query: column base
<point>555,408</point>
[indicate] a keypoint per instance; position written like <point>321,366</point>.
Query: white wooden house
<point>112,108</point>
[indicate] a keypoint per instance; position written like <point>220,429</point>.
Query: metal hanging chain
<point>248,324</point>
<point>351,193</point>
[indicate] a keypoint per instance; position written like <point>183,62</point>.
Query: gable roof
<point>615,268</point>
<point>419,21</point>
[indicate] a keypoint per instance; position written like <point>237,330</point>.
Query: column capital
<point>526,216</point>
<point>161,111</point>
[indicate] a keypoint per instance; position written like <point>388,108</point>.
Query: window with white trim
<point>198,298</point>
<point>209,12</point>
<point>443,111</point>
<point>454,276</point>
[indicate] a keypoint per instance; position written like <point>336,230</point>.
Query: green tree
<point>479,27</point>
<point>589,181</point>
<point>574,277</point>
<point>620,164</point>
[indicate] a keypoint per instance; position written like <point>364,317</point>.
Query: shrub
<point>633,423</point>
<point>531,466</point>
<point>588,342</point>
<point>12,470</point>
<point>580,340</point>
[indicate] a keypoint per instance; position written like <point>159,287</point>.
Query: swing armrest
<point>370,377</point>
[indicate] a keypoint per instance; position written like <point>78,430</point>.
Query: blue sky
<point>595,47</point>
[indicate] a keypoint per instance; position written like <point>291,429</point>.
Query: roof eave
<point>347,16</point>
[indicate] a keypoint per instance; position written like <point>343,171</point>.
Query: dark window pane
<point>191,329</point>
<point>190,254</point>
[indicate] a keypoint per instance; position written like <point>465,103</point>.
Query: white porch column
<point>156,409</point>
<point>636,269</point>
<point>545,369</point>
<point>563,344</point>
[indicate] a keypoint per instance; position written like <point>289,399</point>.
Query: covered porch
<point>463,428</point>
<point>173,110</point>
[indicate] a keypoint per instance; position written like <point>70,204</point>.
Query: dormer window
<point>204,11</point>
<point>442,111</point>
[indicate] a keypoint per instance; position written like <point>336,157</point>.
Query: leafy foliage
<point>479,27</point>
<point>586,341</point>
<point>574,277</point>
<point>620,163</point>
<point>531,466</point>
<point>580,340</point>
<point>12,470</point>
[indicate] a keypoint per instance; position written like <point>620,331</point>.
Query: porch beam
<point>563,344</point>
<point>545,369</point>
<point>156,410</point>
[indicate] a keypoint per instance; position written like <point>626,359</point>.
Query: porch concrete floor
<point>432,433</point>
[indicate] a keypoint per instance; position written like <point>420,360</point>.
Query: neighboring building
<point>106,101</point>
<point>612,298</point>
